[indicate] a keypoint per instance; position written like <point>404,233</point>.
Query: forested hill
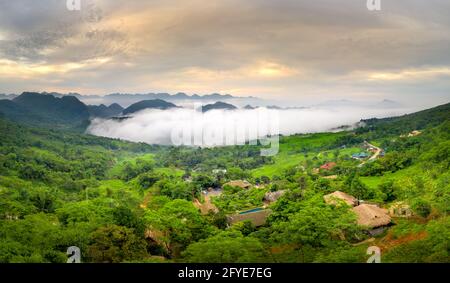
<point>46,110</point>
<point>406,123</point>
<point>148,104</point>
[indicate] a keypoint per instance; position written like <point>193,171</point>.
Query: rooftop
<point>372,216</point>
<point>337,196</point>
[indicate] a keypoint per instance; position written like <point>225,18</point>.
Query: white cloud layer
<point>221,127</point>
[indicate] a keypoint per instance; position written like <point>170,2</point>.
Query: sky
<point>292,50</point>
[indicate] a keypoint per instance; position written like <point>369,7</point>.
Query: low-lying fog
<point>221,127</point>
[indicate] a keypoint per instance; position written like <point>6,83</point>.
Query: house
<point>328,166</point>
<point>257,217</point>
<point>411,134</point>
<point>238,183</point>
<point>414,133</point>
<point>219,171</point>
<point>400,209</point>
<point>372,216</point>
<point>338,196</point>
<point>273,196</point>
<point>360,155</point>
<point>331,177</point>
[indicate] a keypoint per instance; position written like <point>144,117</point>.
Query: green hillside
<point>127,202</point>
<point>46,110</point>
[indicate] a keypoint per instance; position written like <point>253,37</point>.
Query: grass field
<point>296,149</point>
<point>374,181</point>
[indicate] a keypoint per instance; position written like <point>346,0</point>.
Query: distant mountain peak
<point>116,106</point>
<point>148,104</point>
<point>218,105</point>
<point>249,107</point>
<point>51,109</point>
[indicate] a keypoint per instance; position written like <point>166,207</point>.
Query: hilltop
<point>41,109</point>
<point>148,104</point>
<point>218,105</point>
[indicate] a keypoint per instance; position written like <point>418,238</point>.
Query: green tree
<point>421,207</point>
<point>226,247</point>
<point>180,223</point>
<point>114,244</point>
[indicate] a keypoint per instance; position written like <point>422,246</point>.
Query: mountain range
<point>67,111</point>
<point>57,111</point>
<point>38,109</point>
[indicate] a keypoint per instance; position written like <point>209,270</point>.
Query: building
<point>414,133</point>
<point>238,183</point>
<point>361,155</point>
<point>257,217</point>
<point>328,166</point>
<point>338,196</point>
<point>331,177</point>
<point>411,134</point>
<point>219,171</point>
<point>372,216</point>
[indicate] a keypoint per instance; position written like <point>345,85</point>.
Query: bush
<point>421,207</point>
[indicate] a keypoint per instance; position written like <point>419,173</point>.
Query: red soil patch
<point>390,242</point>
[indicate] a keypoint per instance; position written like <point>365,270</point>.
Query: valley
<point>120,201</point>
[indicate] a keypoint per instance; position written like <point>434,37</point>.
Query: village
<point>375,218</point>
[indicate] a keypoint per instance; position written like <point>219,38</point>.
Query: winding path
<point>374,156</point>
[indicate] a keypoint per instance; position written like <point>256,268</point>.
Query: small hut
<point>338,196</point>
<point>239,183</point>
<point>414,133</point>
<point>372,216</point>
<point>256,217</point>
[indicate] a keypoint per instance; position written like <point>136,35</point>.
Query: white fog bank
<point>222,127</point>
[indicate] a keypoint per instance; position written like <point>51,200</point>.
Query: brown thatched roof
<point>334,198</point>
<point>372,216</point>
<point>257,218</point>
<point>239,183</point>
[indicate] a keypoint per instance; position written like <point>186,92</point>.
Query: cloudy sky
<point>285,49</point>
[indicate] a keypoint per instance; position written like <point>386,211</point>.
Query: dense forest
<point>128,202</point>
